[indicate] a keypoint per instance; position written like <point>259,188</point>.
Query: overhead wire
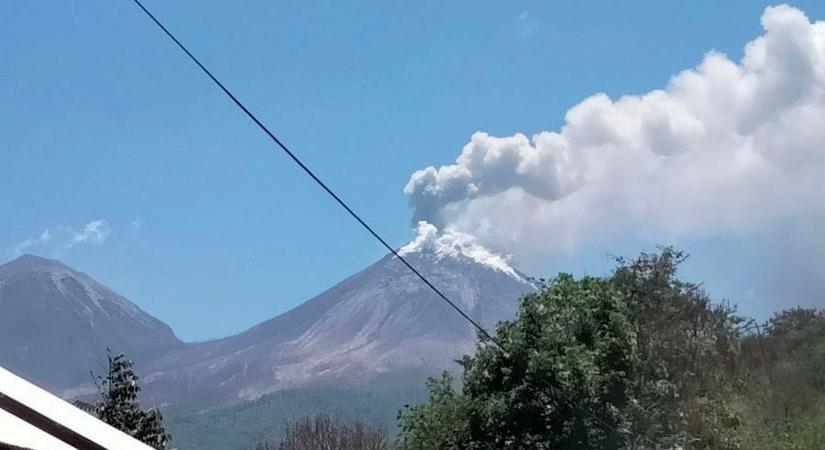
<point>484,333</point>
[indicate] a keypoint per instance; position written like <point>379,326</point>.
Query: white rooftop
<point>34,401</point>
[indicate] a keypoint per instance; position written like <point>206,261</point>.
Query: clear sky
<point>147,178</point>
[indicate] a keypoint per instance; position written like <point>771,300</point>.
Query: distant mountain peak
<point>56,322</point>
<point>29,262</point>
<point>451,243</point>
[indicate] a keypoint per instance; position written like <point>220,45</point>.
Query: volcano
<point>382,323</point>
<point>56,324</point>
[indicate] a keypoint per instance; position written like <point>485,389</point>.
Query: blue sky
<point>211,229</point>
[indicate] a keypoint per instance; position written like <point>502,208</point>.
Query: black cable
<point>343,204</point>
<point>315,177</point>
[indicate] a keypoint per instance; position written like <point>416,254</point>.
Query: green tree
<point>595,363</point>
<point>688,341</point>
<point>566,377</point>
<point>440,424</point>
<point>119,407</point>
<point>784,396</point>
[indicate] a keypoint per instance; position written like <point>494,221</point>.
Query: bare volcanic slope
<point>379,325</point>
<point>56,323</point>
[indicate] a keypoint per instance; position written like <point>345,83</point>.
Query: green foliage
<point>636,360</point>
<point>688,341</point>
<point>441,423</point>
<point>801,433</point>
<point>563,379</point>
<point>119,407</point>
<point>783,398</point>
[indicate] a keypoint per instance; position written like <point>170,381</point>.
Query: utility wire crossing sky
<point>320,182</point>
<point>554,134</point>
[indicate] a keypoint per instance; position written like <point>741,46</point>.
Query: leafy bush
<point>783,398</point>
<point>636,360</point>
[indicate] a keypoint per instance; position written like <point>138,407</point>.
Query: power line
<point>317,180</point>
<point>344,205</point>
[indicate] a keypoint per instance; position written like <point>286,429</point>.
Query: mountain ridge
<point>378,322</point>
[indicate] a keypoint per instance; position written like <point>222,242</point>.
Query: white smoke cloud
<point>454,243</point>
<point>57,243</point>
<point>95,233</point>
<point>725,147</point>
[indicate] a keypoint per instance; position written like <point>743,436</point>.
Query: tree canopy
<point>639,359</point>
<point>119,407</point>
